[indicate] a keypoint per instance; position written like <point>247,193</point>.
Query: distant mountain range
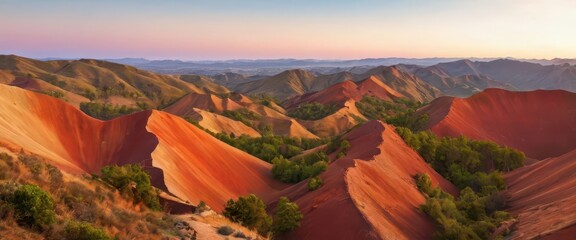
<point>275,66</point>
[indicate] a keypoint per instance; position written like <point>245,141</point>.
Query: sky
<point>270,29</point>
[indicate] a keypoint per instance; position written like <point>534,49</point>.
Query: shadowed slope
<point>539,123</point>
<point>181,158</point>
<point>543,195</point>
<point>370,193</point>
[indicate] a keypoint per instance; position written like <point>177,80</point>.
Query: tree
<point>250,211</point>
<point>287,216</point>
<point>33,206</point>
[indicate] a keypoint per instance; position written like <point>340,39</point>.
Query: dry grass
<point>80,198</point>
<point>216,221</point>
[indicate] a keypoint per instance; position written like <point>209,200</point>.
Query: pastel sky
<point>323,29</point>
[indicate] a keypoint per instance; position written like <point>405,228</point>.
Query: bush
<point>132,180</point>
<point>287,216</point>
<point>250,211</point>
<point>314,183</point>
<point>33,206</point>
<point>84,231</point>
<point>225,230</point>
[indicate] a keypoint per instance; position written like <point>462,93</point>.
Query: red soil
<point>370,193</point>
<point>184,107</point>
<point>181,158</point>
<point>344,91</point>
<point>540,123</point>
<point>543,196</point>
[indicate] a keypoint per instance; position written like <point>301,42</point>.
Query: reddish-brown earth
<point>341,92</point>
<point>181,158</point>
<point>540,123</point>
<point>370,193</point>
<point>543,197</point>
<point>209,102</point>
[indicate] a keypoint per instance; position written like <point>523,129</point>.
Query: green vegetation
<point>265,99</point>
<point>268,147</point>
<point>314,183</point>
<point>312,111</point>
<point>471,216</point>
<point>250,211</point>
<point>133,181</point>
<point>400,112</point>
<point>473,166</point>
<point>105,111</point>
<point>243,115</point>
<point>33,206</point>
<point>295,171</point>
<point>56,94</point>
<point>84,231</point>
<point>36,201</point>
<point>287,216</point>
<point>464,162</point>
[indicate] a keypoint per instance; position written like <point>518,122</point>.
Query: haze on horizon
<point>256,29</point>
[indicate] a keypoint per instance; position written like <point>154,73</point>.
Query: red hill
<point>540,123</point>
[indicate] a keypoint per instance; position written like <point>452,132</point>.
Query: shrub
<point>250,211</point>
<point>32,163</point>
<point>287,216</point>
<point>33,206</point>
<point>84,231</point>
<point>133,180</point>
<point>314,183</point>
<point>225,230</point>
<point>400,112</point>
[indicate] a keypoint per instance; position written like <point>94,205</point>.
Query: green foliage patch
<point>400,112</point>
<point>312,111</point>
<point>133,181</point>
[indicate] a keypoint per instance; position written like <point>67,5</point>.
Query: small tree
<point>314,183</point>
<point>33,206</point>
<point>250,211</point>
<point>287,216</point>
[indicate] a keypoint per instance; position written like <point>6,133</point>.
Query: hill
<point>521,75</point>
<point>371,189</point>
<point>339,93</point>
<point>410,86</point>
<point>539,123</point>
<point>103,81</point>
<point>182,159</point>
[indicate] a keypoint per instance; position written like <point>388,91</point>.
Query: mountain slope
<point>284,85</point>
<point>101,80</point>
<point>404,83</point>
<point>543,196</point>
<point>459,85</point>
<point>368,194</point>
<point>181,158</point>
<point>539,123</point>
<point>339,93</point>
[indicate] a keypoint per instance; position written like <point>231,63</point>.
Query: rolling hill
<point>368,194</point>
<point>539,123</point>
<point>182,159</point>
